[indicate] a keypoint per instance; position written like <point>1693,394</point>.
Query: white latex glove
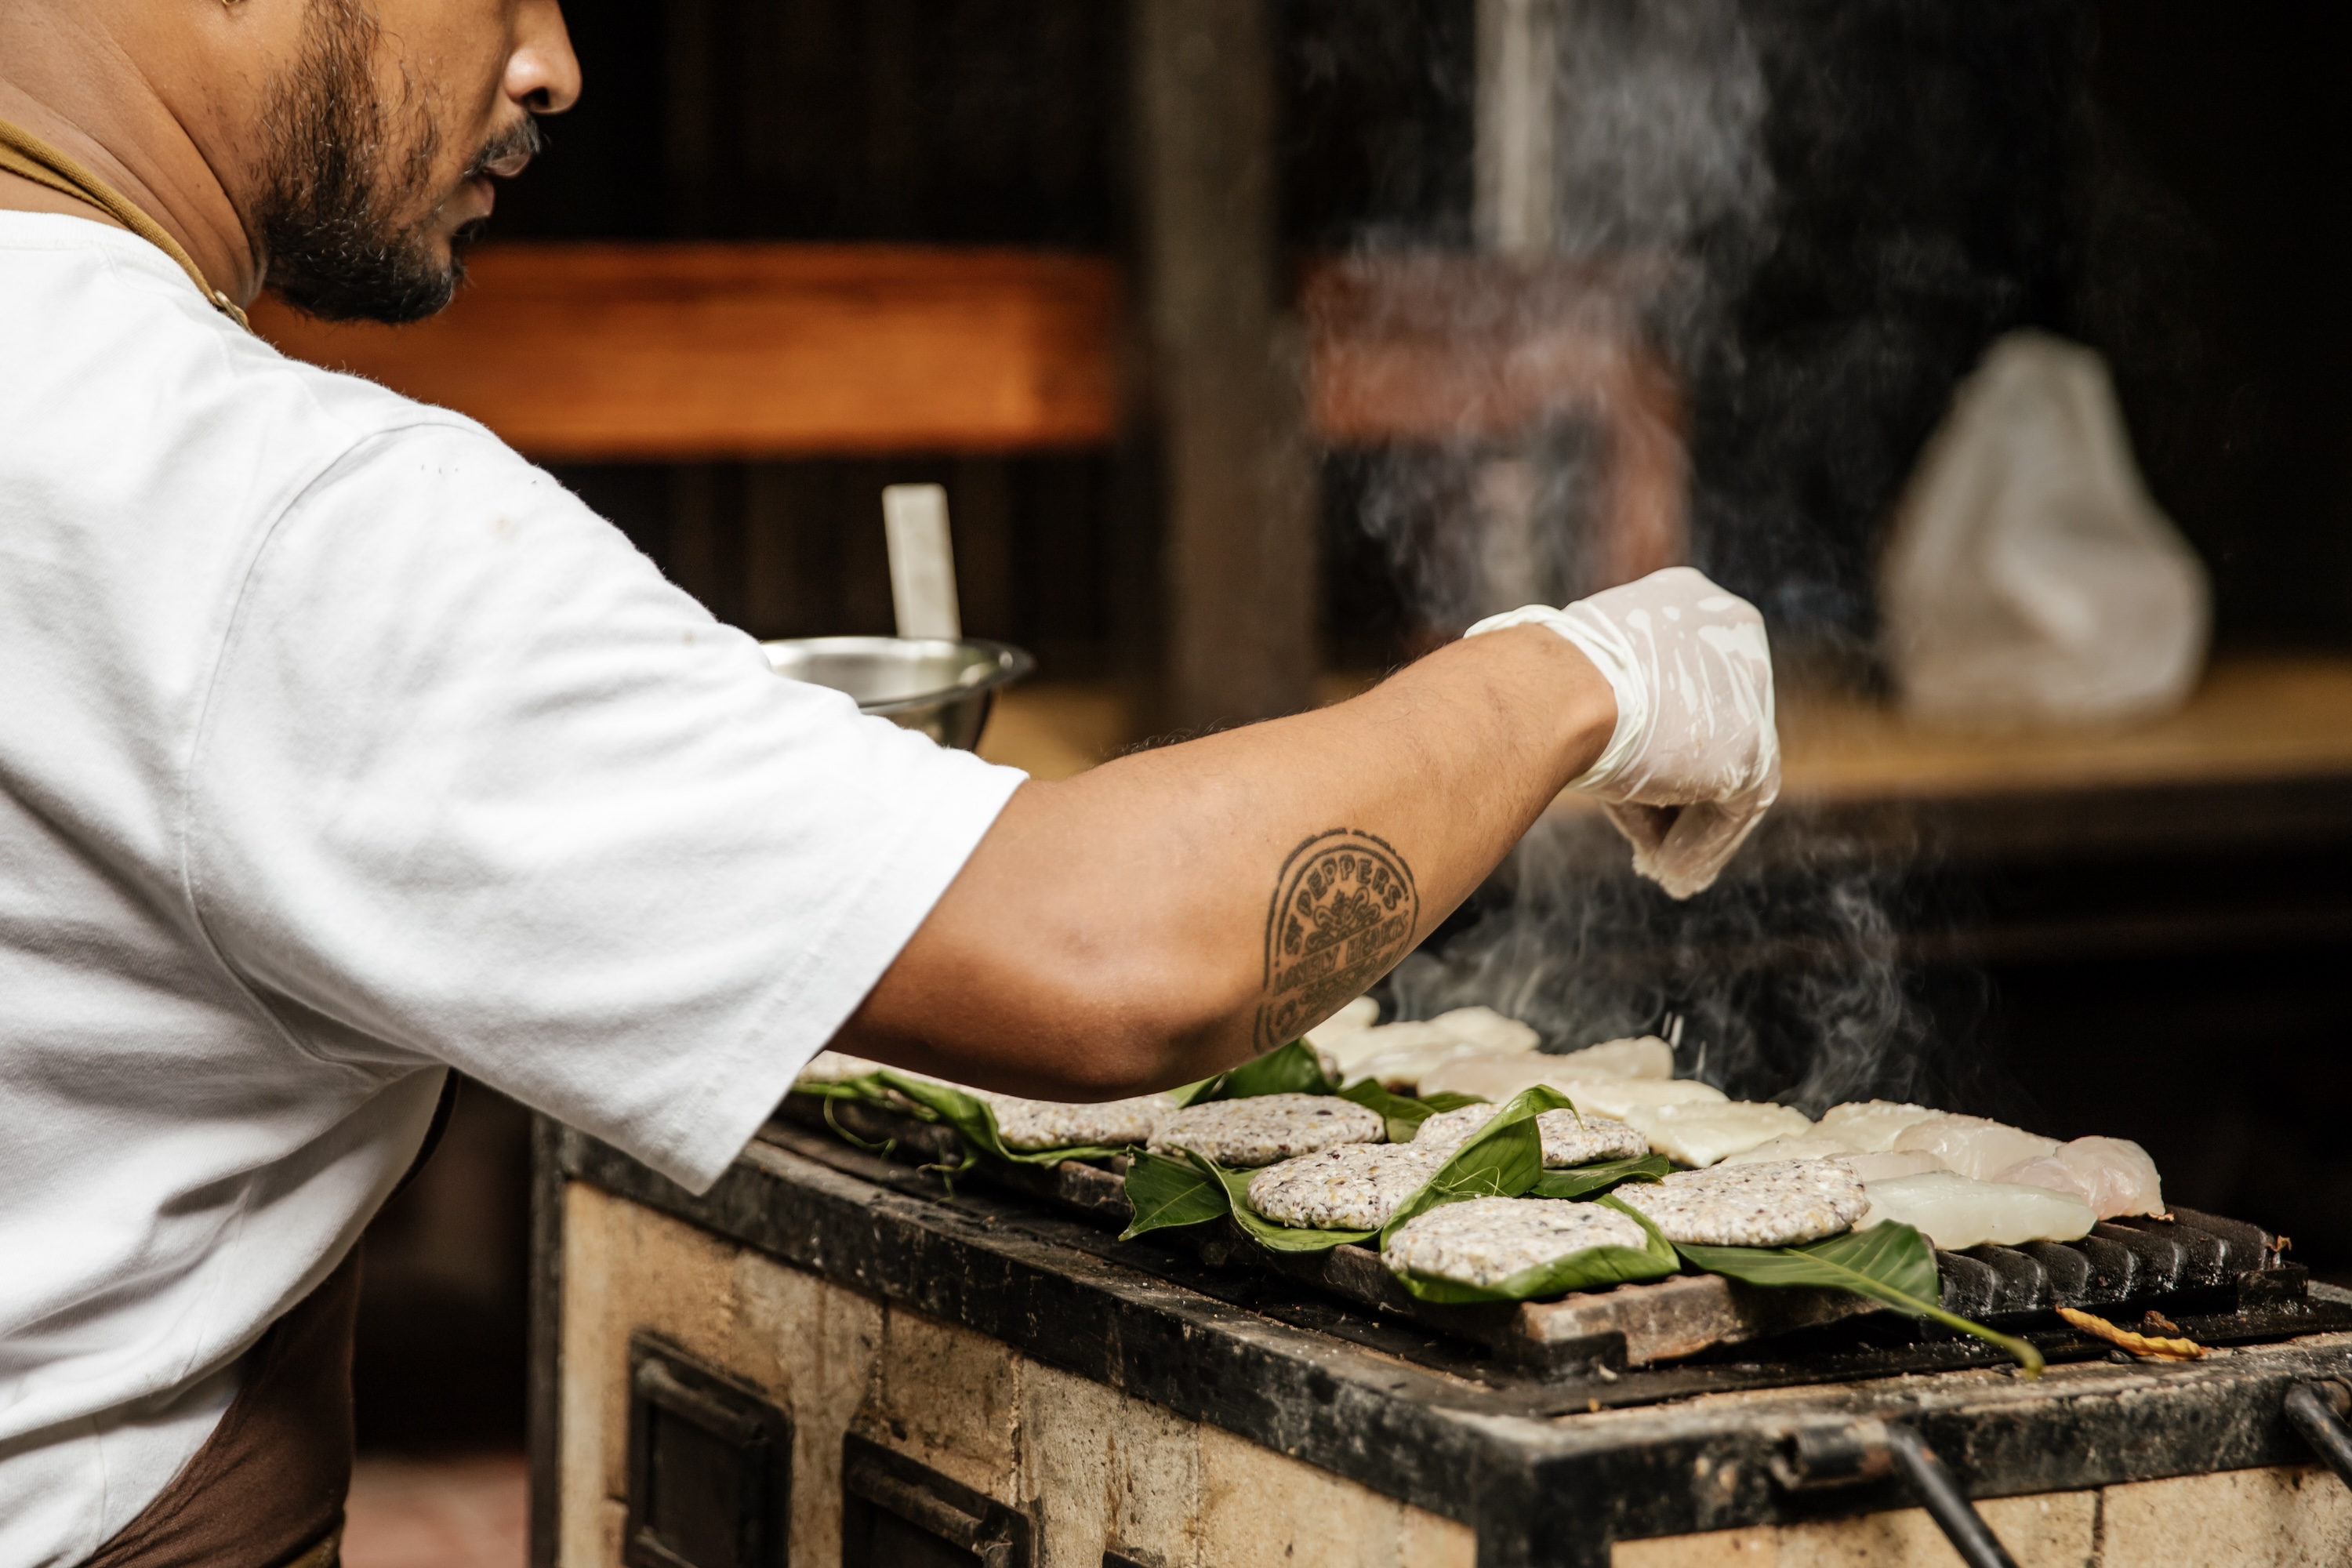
<point>1694,760</point>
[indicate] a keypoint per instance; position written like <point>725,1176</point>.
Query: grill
<point>1617,1426</point>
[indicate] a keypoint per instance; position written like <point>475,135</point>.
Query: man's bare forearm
<point>1173,912</point>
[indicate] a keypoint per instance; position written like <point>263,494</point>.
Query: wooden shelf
<point>587,351</point>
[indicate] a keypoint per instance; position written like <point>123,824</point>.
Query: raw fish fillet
<point>1354,1018</point>
<point>1492,1076</point>
<point>2113,1175</point>
<point>1868,1126</point>
<point>1972,1145</point>
<point>1887,1165</point>
<point>1393,1047</point>
<point>1702,1134</point>
<point>1619,1096</point>
<point>1955,1211</point>
<point>1645,1056</point>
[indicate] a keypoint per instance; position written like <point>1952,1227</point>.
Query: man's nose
<point>542,73</point>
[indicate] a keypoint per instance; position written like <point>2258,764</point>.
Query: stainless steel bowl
<point>943,689</point>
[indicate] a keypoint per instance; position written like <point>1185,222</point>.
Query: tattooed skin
<point>1344,912</point>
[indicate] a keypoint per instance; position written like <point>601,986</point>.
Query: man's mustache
<point>507,155</point>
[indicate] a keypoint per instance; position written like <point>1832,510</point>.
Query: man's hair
<point>345,171</point>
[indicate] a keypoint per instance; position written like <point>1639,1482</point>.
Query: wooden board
<point>587,351</point>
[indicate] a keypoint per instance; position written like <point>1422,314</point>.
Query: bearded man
<point>342,747</point>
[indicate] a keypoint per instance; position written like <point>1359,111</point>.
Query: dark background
<point>2157,179</point>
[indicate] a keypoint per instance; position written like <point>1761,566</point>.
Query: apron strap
<point>29,157</point>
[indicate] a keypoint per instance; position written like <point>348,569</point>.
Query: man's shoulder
<point>92,312</point>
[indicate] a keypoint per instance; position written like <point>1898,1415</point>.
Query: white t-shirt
<point>338,745</point>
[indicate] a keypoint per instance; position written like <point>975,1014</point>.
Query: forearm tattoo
<point>1344,912</point>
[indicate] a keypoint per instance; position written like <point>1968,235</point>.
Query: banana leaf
<point>1166,1193</point>
<point>1890,1263</point>
<point>1270,1234</point>
<point>1584,1181</point>
<point>975,1121</point>
<point>1502,1159</point>
<point>1589,1269</point>
<point>865,1086</point>
<point>1403,1114</point>
<point>1293,1068</point>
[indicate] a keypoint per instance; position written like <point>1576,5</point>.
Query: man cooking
<point>342,747</point>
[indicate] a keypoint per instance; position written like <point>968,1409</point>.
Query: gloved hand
<point>1694,760</point>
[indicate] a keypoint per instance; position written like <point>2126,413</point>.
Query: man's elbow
<point>1117,1029</point>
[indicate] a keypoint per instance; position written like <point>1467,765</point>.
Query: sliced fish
<point>1398,1054</point>
<point>1643,1056</point>
<point>1972,1145</point>
<point>1819,1145</point>
<point>2113,1175</point>
<point>1702,1132</point>
<point>1869,1126</point>
<point>1955,1211</point>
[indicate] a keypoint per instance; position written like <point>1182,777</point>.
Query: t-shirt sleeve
<point>473,784</point>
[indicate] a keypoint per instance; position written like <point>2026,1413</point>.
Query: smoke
<point>1661,209</point>
<point>1785,982</point>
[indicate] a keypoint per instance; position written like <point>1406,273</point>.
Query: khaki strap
<point>23,154</point>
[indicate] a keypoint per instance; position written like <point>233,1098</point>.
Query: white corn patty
<point>835,1067</point>
<point>1566,1140</point>
<point>1051,1124</point>
<point>1356,1186</point>
<point>1486,1240</point>
<point>1779,1204</point>
<point>1241,1133</point>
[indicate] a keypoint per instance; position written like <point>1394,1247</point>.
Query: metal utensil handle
<point>1940,1493</point>
<point>2316,1410</point>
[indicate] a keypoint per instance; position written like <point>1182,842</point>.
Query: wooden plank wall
<point>684,351</point>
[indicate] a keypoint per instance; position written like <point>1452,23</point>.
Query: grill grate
<point>2224,1279</point>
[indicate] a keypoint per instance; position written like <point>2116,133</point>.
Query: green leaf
<point>861,1087</point>
<point>1166,1193</point>
<point>1195,1093</point>
<point>1584,1181</point>
<point>1890,1263</point>
<point>1269,1234</point>
<point>1446,1099</point>
<point>1403,1115</point>
<point>1293,1068</point>
<point>975,1121</point>
<point>1502,1159</point>
<point>1587,1269</point>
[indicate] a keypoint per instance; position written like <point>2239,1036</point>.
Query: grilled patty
<point>1566,1140</point>
<point>1356,1187</point>
<point>1486,1240</point>
<point>1779,1204</point>
<point>1242,1133</point>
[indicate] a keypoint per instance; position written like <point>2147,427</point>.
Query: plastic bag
<point>2030,578</point>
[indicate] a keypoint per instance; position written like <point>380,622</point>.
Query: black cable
<point>2315,1410</point>
<point>1940,1493</point>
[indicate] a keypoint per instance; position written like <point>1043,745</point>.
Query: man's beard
<point>343,169</point>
